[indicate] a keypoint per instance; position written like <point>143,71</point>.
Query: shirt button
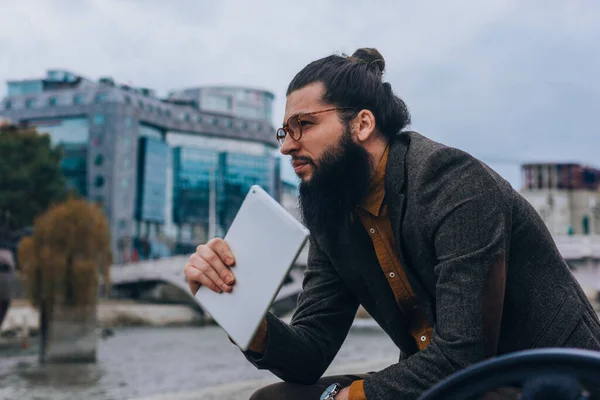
<point>423,338</point>
<point>372,230</point>
<point>392,275</point>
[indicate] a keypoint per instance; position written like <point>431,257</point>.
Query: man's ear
<point>364,125</point>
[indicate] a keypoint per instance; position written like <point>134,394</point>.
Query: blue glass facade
<point>72,136</point>
<point>192,169</point>
<point>237,173</point>
<point>24,87</point>
<point>152,180</point>
<point>234,173</point>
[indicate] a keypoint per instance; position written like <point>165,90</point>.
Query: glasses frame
<point>286,131</point>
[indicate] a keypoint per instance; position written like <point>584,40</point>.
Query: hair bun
<point>372,57</point>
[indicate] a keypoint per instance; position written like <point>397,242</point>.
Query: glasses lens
<point>280,136</point>
<point>294,128</point>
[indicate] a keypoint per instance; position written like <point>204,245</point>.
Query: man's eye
<point>304,123</point>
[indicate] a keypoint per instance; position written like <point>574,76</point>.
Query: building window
<point>227,123</point>
<point>126,162</point>
<point>21,88</point>
<point>100,98</point>
<point>187,117</point>
<point>247,111</point>
<point>78,99</point>
<point>150,107</point>
<point>29,103</point>
<point>168,113</point>
<point>99,182</point>
<point>159,111</point>
<point>124,183</point>
<point>52,101</point>
<point>215,121</point>
<point>99,119</point>
<point>8,105</point>
<point>199,119</point>
<point>99,160</point>
<point>128,122</point>
<point>141,104</point>
<point>215,102</point>
<point>127,100</point>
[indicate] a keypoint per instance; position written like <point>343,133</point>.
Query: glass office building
<point>147,161</point>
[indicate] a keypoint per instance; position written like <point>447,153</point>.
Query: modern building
<point>165,170</point>
<point>567,196</point>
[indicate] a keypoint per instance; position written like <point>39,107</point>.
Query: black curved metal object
<point>515,369</point>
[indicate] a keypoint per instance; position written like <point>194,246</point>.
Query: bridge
<point>579,248</point>
<point>581,252</point>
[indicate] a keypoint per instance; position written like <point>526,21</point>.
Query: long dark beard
<point>337,185</point>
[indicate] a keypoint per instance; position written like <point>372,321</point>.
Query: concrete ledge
<point>110,313</point>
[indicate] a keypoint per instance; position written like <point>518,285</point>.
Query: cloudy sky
<point>509,81</point>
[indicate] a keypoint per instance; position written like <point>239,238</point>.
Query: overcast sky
<point>508,81</point>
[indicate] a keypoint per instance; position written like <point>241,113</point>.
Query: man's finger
<point>206,264</point>
<point>220,247</point>
<point>196,277</point>
<point>214,260</point>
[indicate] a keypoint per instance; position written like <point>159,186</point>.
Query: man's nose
<point>289,145</point>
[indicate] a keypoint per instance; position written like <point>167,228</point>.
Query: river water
<point>141,362</point>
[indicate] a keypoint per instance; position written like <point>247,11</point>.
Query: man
<point>450,261</point>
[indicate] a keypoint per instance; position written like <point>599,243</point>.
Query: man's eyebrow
<point>296,115</point>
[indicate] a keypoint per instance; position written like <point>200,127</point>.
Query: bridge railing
<point>578,246</point>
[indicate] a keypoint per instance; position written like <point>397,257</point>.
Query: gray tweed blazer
<point>485,270</point>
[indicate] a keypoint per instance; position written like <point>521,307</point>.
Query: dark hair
<point>356,82</point>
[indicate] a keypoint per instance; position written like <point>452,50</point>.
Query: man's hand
<point>343,394</point>
<point>209,266</point>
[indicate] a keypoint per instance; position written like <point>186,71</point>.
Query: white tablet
<point>265,241</point>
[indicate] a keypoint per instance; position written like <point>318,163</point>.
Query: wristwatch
<point>331,392</point>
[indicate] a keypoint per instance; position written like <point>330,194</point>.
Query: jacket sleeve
<point>467,223</point>
<point>301,351</point>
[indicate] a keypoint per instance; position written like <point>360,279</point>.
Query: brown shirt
<point>373,214</point>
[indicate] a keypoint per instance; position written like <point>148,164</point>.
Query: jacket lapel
<point>395,181</point>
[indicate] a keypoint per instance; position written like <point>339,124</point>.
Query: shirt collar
<point>374,199</point>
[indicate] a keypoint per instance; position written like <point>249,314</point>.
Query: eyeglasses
<point>293,128</point>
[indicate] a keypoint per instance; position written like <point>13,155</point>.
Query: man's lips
<point>299,165</point>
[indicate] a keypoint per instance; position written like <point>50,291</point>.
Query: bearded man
<point>442,252</point>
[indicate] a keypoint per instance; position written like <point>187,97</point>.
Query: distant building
<point>567,196</point>
<point>149,161</point>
